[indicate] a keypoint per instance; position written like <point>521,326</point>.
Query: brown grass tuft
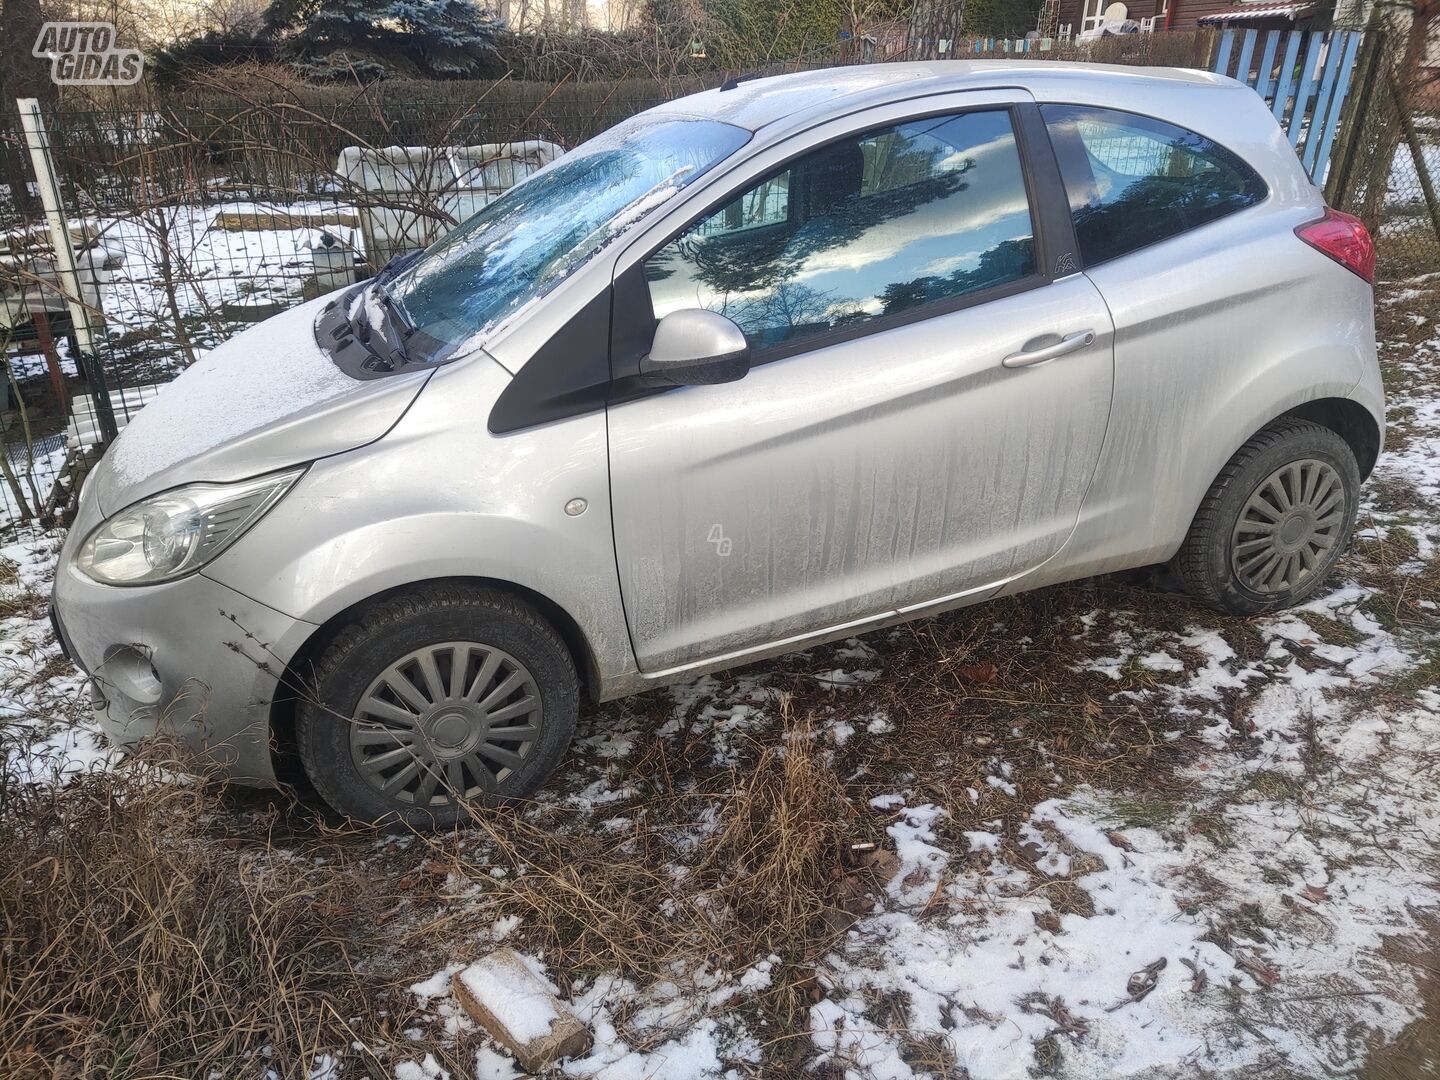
<point>744,867</point>
<point>139,943</point>
<point>784,825</point>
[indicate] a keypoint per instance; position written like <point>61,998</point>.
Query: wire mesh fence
<point>194,216</point>
<point>192,221</point>
<point>1387,169</point>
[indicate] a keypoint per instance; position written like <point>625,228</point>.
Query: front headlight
<point>176,532</point>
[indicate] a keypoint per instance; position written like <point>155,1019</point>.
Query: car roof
<point>757,103</point>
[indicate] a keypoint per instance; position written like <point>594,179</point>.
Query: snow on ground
<point>1299,896</point>
<point>1232,907</point>
<point>213,269</point>
<point>38,687</point>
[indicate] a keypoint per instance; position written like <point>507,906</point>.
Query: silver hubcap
<point>1289,528</point>
<point>447,722</point>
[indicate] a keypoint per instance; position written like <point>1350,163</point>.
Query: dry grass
<point>1415,1055</point>
<point>139,942</point>
<point>1406,250</point>
<point>783,826</point>
<point>1006,682</point>
<point>751,865</point>
<point>154,931</point>
<point>16,602</point>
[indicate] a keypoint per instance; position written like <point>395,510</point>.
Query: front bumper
<point>191,659</point>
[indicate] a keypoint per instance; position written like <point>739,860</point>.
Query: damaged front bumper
<point>189,659</point>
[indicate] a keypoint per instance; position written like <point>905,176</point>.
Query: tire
<point>1279,554</point>
<point>401,656</point>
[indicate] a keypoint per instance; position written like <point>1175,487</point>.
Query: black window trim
<point>1058,152</point>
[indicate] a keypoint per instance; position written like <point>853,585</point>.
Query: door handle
<point>1066,345</point>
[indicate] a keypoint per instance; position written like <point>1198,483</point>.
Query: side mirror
<point>695,347</point>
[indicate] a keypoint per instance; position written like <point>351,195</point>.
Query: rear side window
<point>1133,181</point>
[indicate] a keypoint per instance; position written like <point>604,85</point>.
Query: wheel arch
<point>1344,416</point>
<point>1347,418</point>
<point>299,668</point>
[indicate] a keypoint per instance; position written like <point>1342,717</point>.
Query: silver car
<point>768,366</point>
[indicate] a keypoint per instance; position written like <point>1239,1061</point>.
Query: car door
<point>929,389</point>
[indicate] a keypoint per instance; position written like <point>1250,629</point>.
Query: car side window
<point>878,224</point>
<point>1133,181</point>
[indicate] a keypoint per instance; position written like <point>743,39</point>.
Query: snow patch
<point>265,374</point>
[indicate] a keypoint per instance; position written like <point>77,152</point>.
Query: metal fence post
<point>68,274</point>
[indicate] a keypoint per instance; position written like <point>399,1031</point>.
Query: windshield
<point>527,241</point>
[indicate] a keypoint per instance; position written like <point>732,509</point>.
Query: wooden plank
<point>520,1011</point>
<point>52,358</point>
<point>1337,105</point>
<point>1334,50</point>
<point>1267,63</point>
<point>1306,87</point>
<point>252,221</point>
<point>30,240</point>
<point>1222,59</point>
<point>1287,75</point>
<point>1247,50</point>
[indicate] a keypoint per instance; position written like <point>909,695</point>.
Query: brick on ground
<point>520,1011</point>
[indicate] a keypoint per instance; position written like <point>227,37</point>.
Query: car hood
<point>267,399</point>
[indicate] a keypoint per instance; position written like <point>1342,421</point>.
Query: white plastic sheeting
<point>453,181</point>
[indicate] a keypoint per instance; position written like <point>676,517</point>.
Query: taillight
<point>1345,239</point>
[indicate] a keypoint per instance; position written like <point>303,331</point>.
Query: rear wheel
<point>437,703</point>
<point>1274,522</point>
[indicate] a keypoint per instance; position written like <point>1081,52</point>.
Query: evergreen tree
<point>373,38</point>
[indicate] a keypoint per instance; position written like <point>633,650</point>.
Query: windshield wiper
<point>386,338</point>
<point>399,321</point>
<point>395,264</point>
<point>402,328</point>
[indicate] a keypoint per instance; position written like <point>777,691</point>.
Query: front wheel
<point>436,703</point>
<point>1274,522</point>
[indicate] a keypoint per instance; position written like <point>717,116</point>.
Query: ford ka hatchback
<point>764,367</point>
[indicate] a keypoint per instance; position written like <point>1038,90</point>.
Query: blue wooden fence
<point>1303,77</point>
